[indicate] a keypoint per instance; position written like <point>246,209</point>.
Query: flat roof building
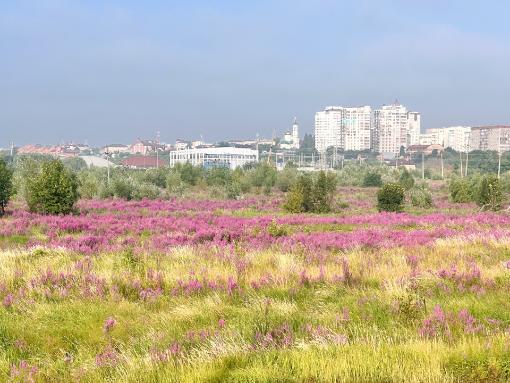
<point>227,157</point>
<point>490,138</point>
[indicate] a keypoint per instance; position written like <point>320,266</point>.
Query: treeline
<point>52,186</point>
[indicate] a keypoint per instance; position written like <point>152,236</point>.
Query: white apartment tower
<point>344,128</point>
<point>395,127</point>
<point>414,120</point>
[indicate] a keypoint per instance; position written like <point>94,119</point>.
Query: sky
<point>109,71</point>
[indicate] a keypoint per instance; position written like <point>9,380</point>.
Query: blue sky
<point>111,71</point>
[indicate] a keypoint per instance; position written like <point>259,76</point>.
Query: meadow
<point>201,290</point>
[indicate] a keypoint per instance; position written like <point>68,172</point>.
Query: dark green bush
<point>309,196</point>
<point>406,179</point>
<point>5,185</point>
<point>391,198</point>
<point>489,193</point>
<point>372,179</point>
<point>460,191</point>
<point>420,197</point>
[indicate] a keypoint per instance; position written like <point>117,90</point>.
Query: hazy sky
<point>114,70</point>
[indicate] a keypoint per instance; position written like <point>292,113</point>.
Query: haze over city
<point>111,71</point>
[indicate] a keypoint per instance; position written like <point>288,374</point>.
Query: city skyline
<point>113,71</point>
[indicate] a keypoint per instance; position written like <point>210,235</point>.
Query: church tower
<point>295,134</point>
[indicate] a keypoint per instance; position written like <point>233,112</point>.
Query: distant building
<point>53,150</point>
<point>228,157</point>
<point>291,139</point>
<point>454,137</point>
<point>145,146</point>
<point>395,127</point>
<point>425,149</point>
<point>144,162</point>
<point>251,143</point>
<point>115,149</point>
<point>181,144</point>
<point>414,121</point>
<point>495,137</point>
<point>344,128</point>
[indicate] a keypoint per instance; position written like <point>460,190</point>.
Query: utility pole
<point>499,164</point>
<point>442,166</point>
<point>499,154</point>
<point>12,148</point>
<point>107,167</point>
<point>461,171</point>
<point>422,165</point>
<point>467,160</point>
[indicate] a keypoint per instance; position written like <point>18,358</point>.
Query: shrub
<point>5,185</point>
<point>263,176</point>
<point>323,192</point>
<point>122,187</point>
<point>275,230</point>
<point>299,198</point>
<point>286,178</point>
<point>459,190</point>
<point>145,190</point>
<point>89,185</point>
<point>155,176</point>
<point>54,190</point>
<point>390,198</point>
<point>489,194</point>
<point>372,179</point>
<point>309,196</point>
<point>420,197</point>
<point>174,184</point>
<point>406,179</point>
<point>233,190</point>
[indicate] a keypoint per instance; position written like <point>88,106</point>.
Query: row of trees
<point>53,187</point>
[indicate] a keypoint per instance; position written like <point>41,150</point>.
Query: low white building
<point>214,157</point>
<point>114,149</point>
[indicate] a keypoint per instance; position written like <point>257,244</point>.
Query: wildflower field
<point>198,290</point>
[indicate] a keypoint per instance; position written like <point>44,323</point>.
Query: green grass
<point>362,330</point>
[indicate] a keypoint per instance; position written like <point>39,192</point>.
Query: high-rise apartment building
<point>395,127</point>
<point>344,128</point>
<point>490,138</point>
<point>414,120</point>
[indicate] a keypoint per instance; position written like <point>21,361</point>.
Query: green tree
<point>286,178</point>
<point>489,194</point>
<point>5,185</point>
<point>420,197</point>
<point>89,184</point>
<point>391,198</point>
<point>460,191</point>
<point>372,179</point>
<point>263,176</point>
<point>54,190</point>
<point>299,197</point>
<point>406,179</point>
<point>322,195</point>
